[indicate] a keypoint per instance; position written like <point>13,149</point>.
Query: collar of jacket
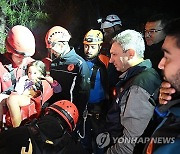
<point>64,58</point>
<point>69,54</point>
<point>134,71</point>
<point>155,47</point>
<point>173,106</point>
<point>176,109</point>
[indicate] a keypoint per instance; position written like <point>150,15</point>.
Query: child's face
<point>33,73</point>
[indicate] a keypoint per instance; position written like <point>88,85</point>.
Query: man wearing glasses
<point>154,37</point>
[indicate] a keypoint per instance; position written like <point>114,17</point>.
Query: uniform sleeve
<point>3,84</point>
<point>135,116</point>
<point>56,87</point>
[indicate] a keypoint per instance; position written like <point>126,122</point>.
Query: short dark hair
<point>173,29</point>
<point>165,18</point>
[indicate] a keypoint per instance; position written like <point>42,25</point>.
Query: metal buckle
<point>97,116</point>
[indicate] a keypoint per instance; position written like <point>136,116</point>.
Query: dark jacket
<point>155,54</point>
<point>72,73</point>
<point>45,136</point>
<point>167,135</point>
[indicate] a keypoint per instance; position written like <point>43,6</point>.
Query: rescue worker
<point>49,134</point>
<point>99,92</point>
<point>20,46</point>
<point>111,26</point>
<point>29,89</point>
<point>68,69</point>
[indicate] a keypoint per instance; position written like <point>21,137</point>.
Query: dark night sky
<point>82,15</point>
<point>78,16</point>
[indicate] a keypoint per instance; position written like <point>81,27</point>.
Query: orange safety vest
<point>9,74</point>
<point>33,110</point>
<point>104,59</point>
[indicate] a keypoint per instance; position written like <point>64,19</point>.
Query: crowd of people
<point>104,102</point>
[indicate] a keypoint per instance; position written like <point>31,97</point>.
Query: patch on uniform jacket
<point>70,67</point>
<point>6,77</point>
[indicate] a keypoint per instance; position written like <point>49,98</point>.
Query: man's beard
<point>175,81</point>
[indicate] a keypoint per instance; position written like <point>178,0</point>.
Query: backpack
<point>64,145</point>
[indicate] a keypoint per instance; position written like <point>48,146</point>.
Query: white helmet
<point>56,33</point>
<point>110,21</point>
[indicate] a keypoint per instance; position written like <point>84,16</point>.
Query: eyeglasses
<point>152,31</point>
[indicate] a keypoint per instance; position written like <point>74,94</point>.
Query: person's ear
<point>131,53</point>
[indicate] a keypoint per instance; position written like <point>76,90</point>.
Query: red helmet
<point>20,40</point>
<point>57,33</point>
<point>68,111</point>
